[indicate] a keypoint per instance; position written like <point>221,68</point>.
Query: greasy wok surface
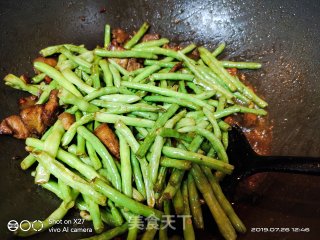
<point>283,35</point>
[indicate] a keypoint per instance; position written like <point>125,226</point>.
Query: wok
<point>283,35</point>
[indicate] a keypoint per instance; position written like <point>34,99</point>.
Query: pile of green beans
<point>170,126</point>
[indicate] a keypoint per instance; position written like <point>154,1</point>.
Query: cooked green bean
<point>213,121</point>
<point>126,132</point>
<point>107,35</point>
<point>216,143</point>
<point>107,217</point>
<point>117,217</point>
<point>174,163</point>
<point>124,201</point>
<point>154,161</point>
<point>107,75</point>
<point>197,158</point>
<point>172,76</point>
<point>81,142</point>
<point>69,98</point>
<point>96,163</point>
<point>125,54</point>
<point>133,41</point>
<point>115,75</point>
<point>38,78</point>
<point>210,76</point>
<point>15,82</point>
<point>51,146</point>
<point>225,139</point>
<point>46,92</point>
<point>149,62</point>
<point>68,158</point>
<point>42,175</point>
<point>247,92</point>
<point>182,87</point>
<point>168,132</point>
<point>71,179</point>
<point>95,73</point>
<point>195,204</point>
<point>241,65</point>
<point>120,98</point>
<point>110,234</point>
<point>178,202</point>
<point>136,195</point>
<point>188,231</point>
<point>138,107</point>
<point>147,115</point>
<point>163,228</point>
<point>118,67</point>
<point>220,217</point>
<point>224,203</point>
<point>206,95</point>
<point>159,51</point>
<point>216,67</point>
<point>181,102</point>
<point>146,73</point>
<point>144,147</point>
<point>173,184</point>
<point>76,59</point>
<point>73,78</point>
<point>131,121</point>
<point>133,227</point>
<point>224,126</point>
<point>138,175</point>
<point>65,191</point>
<point>152,43</point>
<point>161,179</point>
<point>197,89</point>
<point>234,109</point>
<point>166,92</point>
<point>53,187</point>
<point>107,159</point>
<point>201,79</point>
<point>219,49</point>
<point>126,171</point>
<point>185,122</point>
<point>71,132</point>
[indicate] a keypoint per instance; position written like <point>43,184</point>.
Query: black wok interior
<point>283,35</point>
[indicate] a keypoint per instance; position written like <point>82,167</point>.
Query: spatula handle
<point>302,165</point>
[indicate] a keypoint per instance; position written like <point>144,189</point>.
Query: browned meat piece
<point>176,67</point>
<point>13,125</point>
<point>150,36</point>
<point>67,119</point>
<point>33,120</point>
<point>120,35</point>
<point>50,61</point>
<point>172,46</point>
<point>47,79</point>
<point>133,64</point>
<point>31,117</point>
<point>232,71</point>
<point>123,62</point>
<point>50,111</point>
<point>25,78</point>
<point>195,55</point>
<point>27,102</point>
<point>108,138</point>
<point>114,46</point>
